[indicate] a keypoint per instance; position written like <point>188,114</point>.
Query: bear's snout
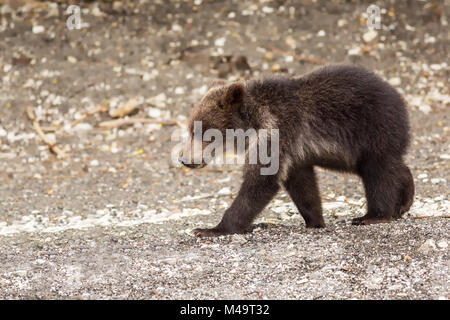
<point>187,159</point>
<point>187,163</point>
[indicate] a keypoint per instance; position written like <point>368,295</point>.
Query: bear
<point>339,117</point>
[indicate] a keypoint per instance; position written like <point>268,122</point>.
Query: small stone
<point>154,113</point>
<point>427,247</point>
<point>369,36</point>
<point>291,42</point>
<point>96,12</point>
<point>425,108</point>
<point>220,42</point>
<point>94,163</point>
<point>268,56</point>
<point>179,90</point>
<point>72,59</point>
<point>321,33</point>
<point>146,76</point>
<point>170,261</point>
<point>224,191</point>
<point>238,239</point>
<point>38,29</point>
<point>22,273</point>
<point>267,10</point>
<point>117,5</point>
<point>177,28</point>
<point>276,67</point>
<point>342,23</point>
<point>158,101</point>
<point>356,51</point>
<point>82,128</point>
<point>395,81</point>
<point>442,244</point>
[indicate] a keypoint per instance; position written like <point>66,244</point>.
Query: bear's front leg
<point>255,193</point>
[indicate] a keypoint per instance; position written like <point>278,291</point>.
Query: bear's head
<point>222,108</point>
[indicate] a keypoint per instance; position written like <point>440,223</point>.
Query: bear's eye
<point>219,104</point>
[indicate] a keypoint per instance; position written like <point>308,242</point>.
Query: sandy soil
<point>113,219</point>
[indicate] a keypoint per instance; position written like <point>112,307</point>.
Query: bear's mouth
<point>194,165</point>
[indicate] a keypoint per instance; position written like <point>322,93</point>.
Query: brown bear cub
<point>341,117</point>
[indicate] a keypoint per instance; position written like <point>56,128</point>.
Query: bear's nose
<point>187,163</point>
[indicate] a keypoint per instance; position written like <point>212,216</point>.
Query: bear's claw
<point>214,232</point>
<point>366,221</point>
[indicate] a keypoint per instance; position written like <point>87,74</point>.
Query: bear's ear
<point>234,96</point>
<point>217,83</point>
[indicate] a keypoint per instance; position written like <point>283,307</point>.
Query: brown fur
<point>343,118</point>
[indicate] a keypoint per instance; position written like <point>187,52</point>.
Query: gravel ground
<point>113,218</point>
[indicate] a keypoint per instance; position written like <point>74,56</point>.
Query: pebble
<point>94,163</point>
<point>117,5</point>
<point>38,29</point>
<point>395,81</point>
<point>427,247</point>
<point>276,67</point>
<point>179,90</point>
<point>158,101</point>
<point>436,180</point>
<point>267,10</point>
<point>82,128</point>
<point>268,56</point>
<point>220,42</point>
<point>238,239</point>
<point>342,23</point>
<point>356,51</point>
<point>369,36</point>
<point>170,261</point>
<point>72,59</point>
<point>442,244</point>
<point>154,113</point>
<point>425,108</point>
<point>224,191</point>
<point>22,273</point>
<point>291,42</point>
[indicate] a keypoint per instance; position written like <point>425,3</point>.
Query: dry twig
<point>125,122</point>
<point>126,109</point>
<point>104,107</point>
<point>52,146</point>
<point>260,296</point>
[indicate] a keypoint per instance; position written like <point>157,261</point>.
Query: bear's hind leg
<point>301,186</point>
<point>382,187</point>
<point>406,196</point>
